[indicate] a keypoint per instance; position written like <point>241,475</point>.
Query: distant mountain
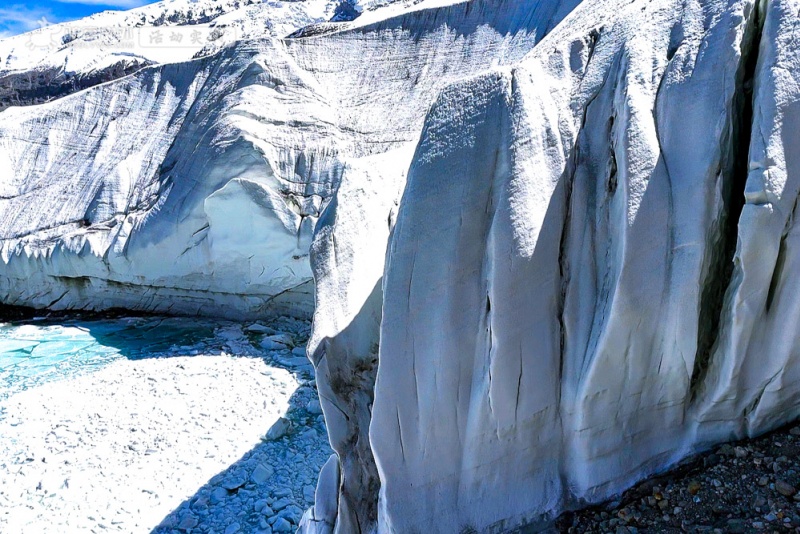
<point>57,60</point>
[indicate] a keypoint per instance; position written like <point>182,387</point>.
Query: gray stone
<point>726,450</point>
<point>314,407</point>
<point>736,526</point>
<point>309,434</point>
<point>308,493</point>
<point>260,329</point>
<point>218,495</point>
<point>200,503</point>
<point>280,504</point>
<point>292,512</point>
<point>281,525</point>
<point>234,482</point>
<point>261,473</point>
<point>279,429</point>
<point>187,523</point>
<point>784,488</point>
<point>269,344</point>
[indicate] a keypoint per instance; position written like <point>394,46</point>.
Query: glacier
<point>548,245</point>
<point>254,136</point>
<point>587,277</point>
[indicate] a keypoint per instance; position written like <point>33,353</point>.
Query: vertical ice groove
<point>734,169</point>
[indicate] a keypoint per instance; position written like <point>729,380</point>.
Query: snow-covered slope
<point>59,59</point>
<point>591,275</point>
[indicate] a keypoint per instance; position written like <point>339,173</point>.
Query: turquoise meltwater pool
<point>39,351</point>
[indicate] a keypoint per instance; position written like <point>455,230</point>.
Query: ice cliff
<point>194,187</point>
<point>591,273</point>
<point>552,242</point>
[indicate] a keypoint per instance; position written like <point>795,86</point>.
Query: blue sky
<point>20,16</point>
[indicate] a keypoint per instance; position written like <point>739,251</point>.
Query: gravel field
<point>750,486</point>
<point>224,436</point>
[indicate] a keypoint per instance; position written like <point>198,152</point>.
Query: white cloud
<point>123,4</point>
<point>19,18</point>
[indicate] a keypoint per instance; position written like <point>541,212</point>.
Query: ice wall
<point>211,207</point>
<point>593,279</point>
<point>183,215</point>
<point>434,46</point>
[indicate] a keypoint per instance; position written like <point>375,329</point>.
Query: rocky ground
<point>745,487</point>
<point>226,436</point>
<point>223,436</point>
